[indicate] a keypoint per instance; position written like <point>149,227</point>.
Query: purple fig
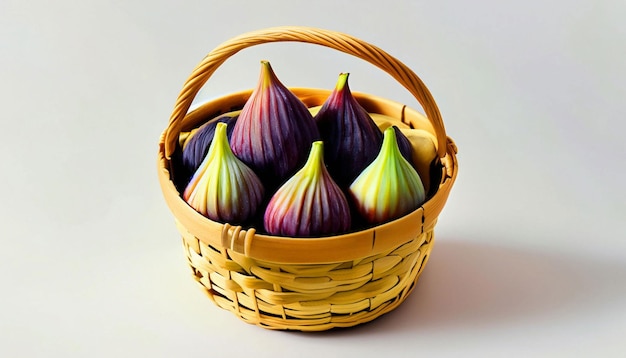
<point>274,131</point>
<point>197,144</point>
<point>389,187</point>
<point>223,188</point>
<point>310,203</point>
<point>352,138</point>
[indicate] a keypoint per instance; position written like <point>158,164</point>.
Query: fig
<point>310,203</point>
<point>389,187</point>
<point>223,188</point>
<point>274,131</point>
<point>351,137</point>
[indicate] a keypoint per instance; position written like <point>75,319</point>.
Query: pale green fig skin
<point>310,203</point>
<point>389,187</point>
<point>274,131</point>
<point>224,189</point>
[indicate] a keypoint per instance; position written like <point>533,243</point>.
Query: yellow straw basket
<point>310,284</point>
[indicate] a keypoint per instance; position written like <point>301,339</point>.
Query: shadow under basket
<point>311,284</point>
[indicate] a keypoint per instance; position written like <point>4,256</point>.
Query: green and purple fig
<point>404,145</point>
<point>389,187</point>
<point>223,188</point>
<point>351,137</point>
<point>197,144</point>
<point>274,131</point>
<point>310,203</point>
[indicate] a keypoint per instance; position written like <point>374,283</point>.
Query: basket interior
<point>337,248</point>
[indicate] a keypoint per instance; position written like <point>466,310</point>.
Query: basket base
<point>311,297</point>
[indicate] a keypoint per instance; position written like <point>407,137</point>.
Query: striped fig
<point>352,138</point>
<point>389,187</point>
<point>223,188</point>
<point>310,203</point>
<point>274,131</point>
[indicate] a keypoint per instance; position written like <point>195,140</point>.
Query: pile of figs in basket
<point>294,171</point>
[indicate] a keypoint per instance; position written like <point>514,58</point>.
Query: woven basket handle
<point>335,40</point>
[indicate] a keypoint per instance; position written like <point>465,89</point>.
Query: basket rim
<point>329,249</point>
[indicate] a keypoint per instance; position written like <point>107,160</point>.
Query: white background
<point>530,258</point>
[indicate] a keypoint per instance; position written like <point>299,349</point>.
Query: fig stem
<point>219,145</point>
<point>342,81</point>
<point>267,74</point>
<point>315,163</point>
<point>390,144</point>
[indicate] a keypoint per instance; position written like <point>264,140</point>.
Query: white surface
<point>530,257</point>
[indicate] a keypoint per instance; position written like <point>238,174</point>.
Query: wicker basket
<point>307,284</point>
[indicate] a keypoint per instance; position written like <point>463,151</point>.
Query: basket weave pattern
<point>309,284</point>
<point>307,297</point>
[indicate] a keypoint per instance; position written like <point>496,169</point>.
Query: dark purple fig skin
<point>274,131</point>
<point>352,139</point>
